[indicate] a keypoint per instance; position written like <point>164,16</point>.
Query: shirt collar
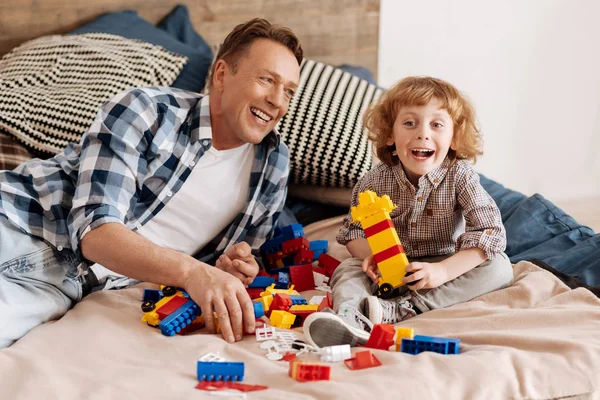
<point>435,177</point>
<point>202,130</point>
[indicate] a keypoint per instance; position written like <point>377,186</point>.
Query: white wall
<point>532,70</point>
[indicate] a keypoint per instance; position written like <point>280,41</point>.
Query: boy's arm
<point>359,248</point>
<point>462,261</point>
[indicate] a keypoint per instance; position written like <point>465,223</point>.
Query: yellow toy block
<point>305,307</point>
<point>266,301</point>
<point>282,319</point>
<point>369,203</point>
<point>403,333</point>
<point>151,317</point>
<point>271,291</point>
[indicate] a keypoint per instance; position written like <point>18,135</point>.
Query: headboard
<point>331,31</point>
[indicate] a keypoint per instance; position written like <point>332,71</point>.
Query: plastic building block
<point>254,293</point>
<point>326,302</point>
<point>362,360</point>
<point>297,299</point>
<point>220,371</point>
<point>302,277</point>
<point>302,311</point>
<point>222,385</point>
<point>318,247</point>
<point>282,319</point>
<point>373,214</point>
<point>150,308</point>
<point>295,245</point>
<point>283,280</point>
<point>329,263</point>
<point>289,357</point>
<point>382,337</point>
<point>281,301</point>
<point>258,310</point>
<point>403,333</point>
<point>271,291</point>
<point>439,345</point>
<point>152,295</point>
<point>170,306</point>
<point>335,353</point>
<point>261,282</point>
<point>303,371</point>
<point>179,319</point>
<point>304,256</point>
<point>266,333</point>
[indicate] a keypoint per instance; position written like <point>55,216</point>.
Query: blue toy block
<point>297,300</point>
<point>280,235</point>
<point>259,310</point>
<point>152,295</point>
<point>422,343</point>
<point>179,318</point>
<point>283,280</point>
<point>262,282</point>
<point>276,271</point>
<point>220,371</point>
<point>319,247</point>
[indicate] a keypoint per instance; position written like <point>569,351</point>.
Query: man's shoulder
<point>168,96</point>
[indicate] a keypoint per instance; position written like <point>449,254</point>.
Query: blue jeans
<point>38,283</point>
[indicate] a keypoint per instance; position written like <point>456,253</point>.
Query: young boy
<point>424,132</point>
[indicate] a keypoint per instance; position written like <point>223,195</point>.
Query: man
<point>162,175</point>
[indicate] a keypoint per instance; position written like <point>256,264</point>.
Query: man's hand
<point>369,267</point>
<point>211,289</point>
<point>239,262</point>
<point>425,275</point>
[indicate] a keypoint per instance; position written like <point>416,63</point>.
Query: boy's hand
<point>425,275</point>
<point>239,262</point>
<point>369,267</point>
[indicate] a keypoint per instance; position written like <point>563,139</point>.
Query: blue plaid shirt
<point>136,155</point>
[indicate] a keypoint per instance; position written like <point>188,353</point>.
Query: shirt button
<point>192,163</point>
<point>205,142</point>
<point>488,232</point>
<point>420,198</point>
<point>59,248</point>
<point>435,180</point>
<point>413,224</point>
<point>169,193</point>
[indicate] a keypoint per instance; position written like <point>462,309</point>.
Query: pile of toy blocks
<point>291,259</point>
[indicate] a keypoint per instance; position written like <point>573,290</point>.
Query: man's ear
<point>218,78</point>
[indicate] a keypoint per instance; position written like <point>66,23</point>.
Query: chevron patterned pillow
<point>51,87</point>
<point>324,128</point>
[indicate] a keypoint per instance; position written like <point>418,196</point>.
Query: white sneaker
<point>392,311</point>
<point>326,328</point>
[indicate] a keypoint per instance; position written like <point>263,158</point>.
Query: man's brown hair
<point>243,35</point>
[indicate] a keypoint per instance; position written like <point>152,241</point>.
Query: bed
<point>537,339</point>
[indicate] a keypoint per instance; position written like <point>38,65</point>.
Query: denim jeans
<point>350,285</point>
<point>38,283</point>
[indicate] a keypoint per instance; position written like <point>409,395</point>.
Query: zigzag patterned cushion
<point>324,128</point>
<point>51,87</point>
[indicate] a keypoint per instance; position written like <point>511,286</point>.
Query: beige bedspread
<point>537,339</point>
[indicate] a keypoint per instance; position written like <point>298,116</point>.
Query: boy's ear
<point>453,143</point>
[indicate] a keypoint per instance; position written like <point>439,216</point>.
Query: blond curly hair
<point>419,91</point>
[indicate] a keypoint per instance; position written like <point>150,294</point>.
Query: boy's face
<point>422,135</point>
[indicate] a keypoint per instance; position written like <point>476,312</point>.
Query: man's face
<point>254,97</point>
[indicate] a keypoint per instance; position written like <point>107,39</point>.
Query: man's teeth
<point>260,114</point>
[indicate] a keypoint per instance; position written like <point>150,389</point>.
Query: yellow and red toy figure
<point>373,213</point>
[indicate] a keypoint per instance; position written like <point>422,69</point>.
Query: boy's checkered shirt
<point>135,156</point>
<point>450,211</point>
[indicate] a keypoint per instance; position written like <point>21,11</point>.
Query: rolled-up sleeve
<point>112,160</point>
<point>484,228</point>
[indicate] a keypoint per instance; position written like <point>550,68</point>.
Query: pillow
<point>178,25</point>
<point>324,128</point>
<point>129,25</point>
<point>51,87</point>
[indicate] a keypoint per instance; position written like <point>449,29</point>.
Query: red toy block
<point>295,245</point>
<point>382,337</point>
<point>362,360</point>
<point>304,256</point>
<point>326,302</point>
<point>254,293</point>
<point>301,315</point>
<point>320,270</point>
<point>212,386</point>
<point>289,357</point>
<point>302,371</point>
<point>302,277</point>
<point>281,301</point>
<point>170,306</point>
<point>329,263</point>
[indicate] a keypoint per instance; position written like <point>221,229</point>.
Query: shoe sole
<point>374,312</point>
<point>323,330</point>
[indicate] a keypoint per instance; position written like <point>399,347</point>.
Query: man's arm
<point>121,250</point>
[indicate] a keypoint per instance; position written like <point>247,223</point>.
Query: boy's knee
<point>502,270</point>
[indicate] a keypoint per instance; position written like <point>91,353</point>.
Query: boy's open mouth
<point>422,154</point>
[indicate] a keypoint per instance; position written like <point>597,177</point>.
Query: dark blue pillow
<point>360,72</point>
<point>178,25</point>
<point>129,25</point>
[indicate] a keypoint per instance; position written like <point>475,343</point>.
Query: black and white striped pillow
<point>324,128</point>
<point>51,87</point>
